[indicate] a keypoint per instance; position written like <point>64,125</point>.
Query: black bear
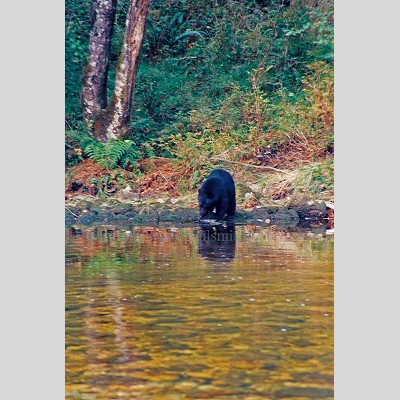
<point>217,192</point>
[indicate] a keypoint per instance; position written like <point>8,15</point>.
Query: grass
<point>315,180</point>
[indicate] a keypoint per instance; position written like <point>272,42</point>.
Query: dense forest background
<point>243,85</point>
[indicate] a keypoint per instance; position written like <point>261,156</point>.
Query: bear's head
<point>207,202</point>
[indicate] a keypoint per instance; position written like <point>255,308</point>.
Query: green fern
<point>189,33</point>
<point>110,154</point>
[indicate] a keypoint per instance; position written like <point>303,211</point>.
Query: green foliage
<point>247,122</point>
<point>148,150</point>
<point>165,33</point>
<point>195,52</point>
<point>110,154</point>
<point>222,78</point>
<point>108,184</point>
<point>237,38</point>
<point>77,27</point>
<point>123,153</point>
<point>308,116</point>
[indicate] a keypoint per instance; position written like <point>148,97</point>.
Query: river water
<point>172,312</point>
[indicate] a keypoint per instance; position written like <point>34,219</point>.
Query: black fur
<point>218,192</point>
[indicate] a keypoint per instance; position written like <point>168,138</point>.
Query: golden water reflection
<point>176,313</point>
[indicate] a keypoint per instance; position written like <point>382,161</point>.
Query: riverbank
<point>89,210</point>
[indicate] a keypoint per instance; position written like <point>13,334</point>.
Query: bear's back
<point>221,174</point>
<point>221,179</point>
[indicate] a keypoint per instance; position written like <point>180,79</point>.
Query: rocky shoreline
<point>94,212</point>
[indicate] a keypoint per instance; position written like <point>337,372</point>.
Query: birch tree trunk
<point>94,80</point>
<point>113,121</point>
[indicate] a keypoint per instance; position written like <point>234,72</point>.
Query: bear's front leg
<point>221,210</point>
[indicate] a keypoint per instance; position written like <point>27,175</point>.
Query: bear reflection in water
<point>217,242</point>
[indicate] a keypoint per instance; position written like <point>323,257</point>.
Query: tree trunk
<point>94,80</point>
<point>114,121</point>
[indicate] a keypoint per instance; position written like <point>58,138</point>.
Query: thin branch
<point>249,165</point>
<point>166,179</point>
<point>187,58</point>
<point>224,152</point>
<point>77,216</point>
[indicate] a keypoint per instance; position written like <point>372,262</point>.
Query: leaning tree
<point>111,120</point>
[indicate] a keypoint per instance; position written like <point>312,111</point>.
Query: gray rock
<point>95,209</point>
<point>310,209</point>
<point>84,205</point>
<point>126,194</point>
<point>122,208</point>
<point>180,215</point>
<point>285,215</point>
<point>87,213</point>
<point>131,214</point>
<point>104,215</point>
<point>69,219</point>
<point>88,218</point>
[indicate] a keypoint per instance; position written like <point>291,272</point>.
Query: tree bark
<point>114,121</point>
<point>94,80</point>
